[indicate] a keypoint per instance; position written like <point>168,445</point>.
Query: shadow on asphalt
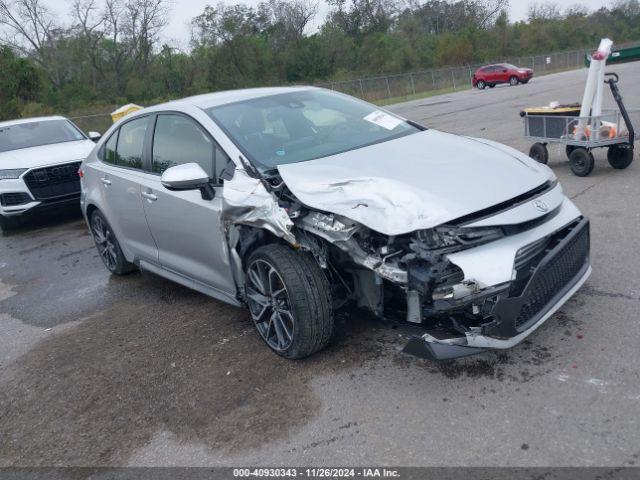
<point>35,222</point>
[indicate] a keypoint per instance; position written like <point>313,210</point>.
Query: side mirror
<point>95,136</point>
<point>188,176</point>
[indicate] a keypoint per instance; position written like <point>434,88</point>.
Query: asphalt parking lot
<point>98,370</point>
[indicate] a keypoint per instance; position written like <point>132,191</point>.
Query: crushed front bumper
<point>521,309</point>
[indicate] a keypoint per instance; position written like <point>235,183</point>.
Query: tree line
<point>107,52</point>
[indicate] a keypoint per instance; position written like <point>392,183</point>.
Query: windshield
<point>300,126</point>
<point>35,134</point>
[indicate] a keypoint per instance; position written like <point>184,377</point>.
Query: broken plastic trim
<point>438,351</point>
<point>474,342</point>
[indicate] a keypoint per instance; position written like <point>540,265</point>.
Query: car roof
<point>209,100</point>
<point>19,121</point>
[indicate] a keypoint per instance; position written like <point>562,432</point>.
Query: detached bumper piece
<point>547,273</point>
<point>418,347</point>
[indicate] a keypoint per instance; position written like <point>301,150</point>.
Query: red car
<point>492,75</point>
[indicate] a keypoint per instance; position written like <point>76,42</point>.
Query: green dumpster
<point>620,55</point>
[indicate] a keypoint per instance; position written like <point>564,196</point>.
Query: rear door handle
<point>105,181</point>
<point>149,196</point>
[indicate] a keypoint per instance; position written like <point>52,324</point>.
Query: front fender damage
<point>247,202</point>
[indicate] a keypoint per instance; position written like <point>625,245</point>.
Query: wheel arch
<point>90,208</point>
<point>89,211</point>
<point>250,239</point>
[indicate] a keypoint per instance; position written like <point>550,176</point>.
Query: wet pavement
<point>137,370</point>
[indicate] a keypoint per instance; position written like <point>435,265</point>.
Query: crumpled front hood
<point>46,154</point>
<point>415,182</point>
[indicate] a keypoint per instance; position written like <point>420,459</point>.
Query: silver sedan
<point>299,201</point>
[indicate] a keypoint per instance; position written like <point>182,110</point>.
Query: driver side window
<point>178,140</point>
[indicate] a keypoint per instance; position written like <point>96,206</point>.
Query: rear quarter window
<point>108,153</point>
<point>131,143</point>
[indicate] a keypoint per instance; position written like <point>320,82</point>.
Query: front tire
<point>289,300</point>
<point>539,153</point>
<point>620,157</point>
<point>108,246</point>
<point>581,162</point>
<point>481,85</point>
<point>513,81</point>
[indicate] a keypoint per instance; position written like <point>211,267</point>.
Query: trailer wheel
<point>581,162</point>
<point>619,156</point>
<point>539,153</point>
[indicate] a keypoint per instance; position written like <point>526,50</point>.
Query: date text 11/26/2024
<point>316,472</point>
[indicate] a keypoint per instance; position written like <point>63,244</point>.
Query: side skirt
<point>189,283</point>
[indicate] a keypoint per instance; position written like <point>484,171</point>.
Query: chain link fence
<point>99,122</point>
<point>395,88</point>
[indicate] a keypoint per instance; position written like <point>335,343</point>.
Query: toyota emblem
<point>540,205</point>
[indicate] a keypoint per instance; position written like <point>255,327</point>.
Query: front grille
<point>14,199</point>
<point>555,274</point>
<point>53,182</point>
<point>527,259</point>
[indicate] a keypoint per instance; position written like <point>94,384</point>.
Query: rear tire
<point>581,162</point>
<point>620,157</point>
<point>108,246</point>
<point>539,153</point>
<point>481,85</point>
<point>513,81</point>
<point>289,299</point>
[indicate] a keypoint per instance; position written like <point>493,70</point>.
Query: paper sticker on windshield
<point>383,120</point>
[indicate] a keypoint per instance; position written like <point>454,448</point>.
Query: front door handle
<point>105,181</point>
<point>149,196</point>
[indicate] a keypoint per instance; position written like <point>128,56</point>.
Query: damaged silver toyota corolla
<point>299,201</point>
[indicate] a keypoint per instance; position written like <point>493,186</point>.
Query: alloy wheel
<point>104,242</point>
<point>269,305</point>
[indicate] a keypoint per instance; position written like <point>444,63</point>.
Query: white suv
<point>39,160</point>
